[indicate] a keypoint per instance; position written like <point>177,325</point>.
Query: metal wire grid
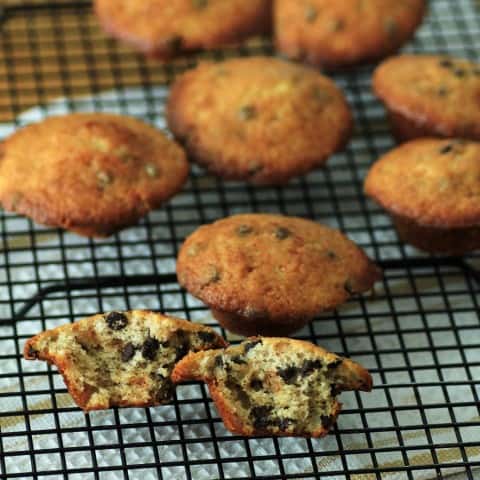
<point>419,336</point>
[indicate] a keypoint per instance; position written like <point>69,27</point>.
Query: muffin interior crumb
<point>289,393</point>
<point>120,360</point>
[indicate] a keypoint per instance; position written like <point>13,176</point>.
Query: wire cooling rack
<point>419,336</point>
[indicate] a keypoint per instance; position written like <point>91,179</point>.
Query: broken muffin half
<point>120,358</point>
<point>275,386</point>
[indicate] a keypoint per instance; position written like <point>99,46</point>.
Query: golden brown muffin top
<point>165,27</point>
<point>273,266</point>
<point>259,118</point>
<point>433,182</point>
<point>438,91</point>
<point>90,173</point>
<point>342,33</point>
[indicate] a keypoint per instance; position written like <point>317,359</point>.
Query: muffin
<point>344,33</point>
<point>258,119</point>
<point>430,96</point>
<point>271,274</point>
<point>431,187</point>
<point>275,386</point>
<point>120,359</point>
<point>165,28</point>
<point>91,173</point>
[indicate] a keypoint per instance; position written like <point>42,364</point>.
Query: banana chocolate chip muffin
<point>271,274</point>
<point>343,33</point>
<point>275,386</point>
<point>91,173</point>
<point>165,28</point>
<point>120,358</point>
<point>431,187</point>
<point>258,119</point>
<point>430,96</point>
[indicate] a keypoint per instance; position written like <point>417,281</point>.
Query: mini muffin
<point>165,28</point>
<point>430,96</point>
<point>271,274</point>
<point>344,33</point>
<point>258,119</point>
<point>275,386</point>
<point>120,358</point>
<point>431,187</point>
<point>89,173</point>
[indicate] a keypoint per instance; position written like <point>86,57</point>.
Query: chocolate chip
<point>181,351</point>
<point>459,72</point>
<point>289,374</point>
<point>446,149</point>
<point>336,363</point>
<point>309,366</point>
<point>174,44</point>
<point>284,423</point>
<point>442,91</point>
<point>180,333</point>
<point>116,320</point>
<point>446,63</point>
<point>337,25</point>
<point>247,112</point>
<point>311,13</point>
<point>128,352</point>
<point>331,254</point>
<point>251,345</point>
<point>261,410</point>
<point>239,360</point>
<point>256,384</point>
<point>207,337</point>
<point>83,346</point>
<point>327,422</point>
<point>282,233</point>
<point>150,348</point>
<point>260,416</point>
<point>200,3</point>
<point>218,362</point>
<point>335,390</point>
<point>165,393</point>
<point>244,230</point>
<point>214,275</point>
